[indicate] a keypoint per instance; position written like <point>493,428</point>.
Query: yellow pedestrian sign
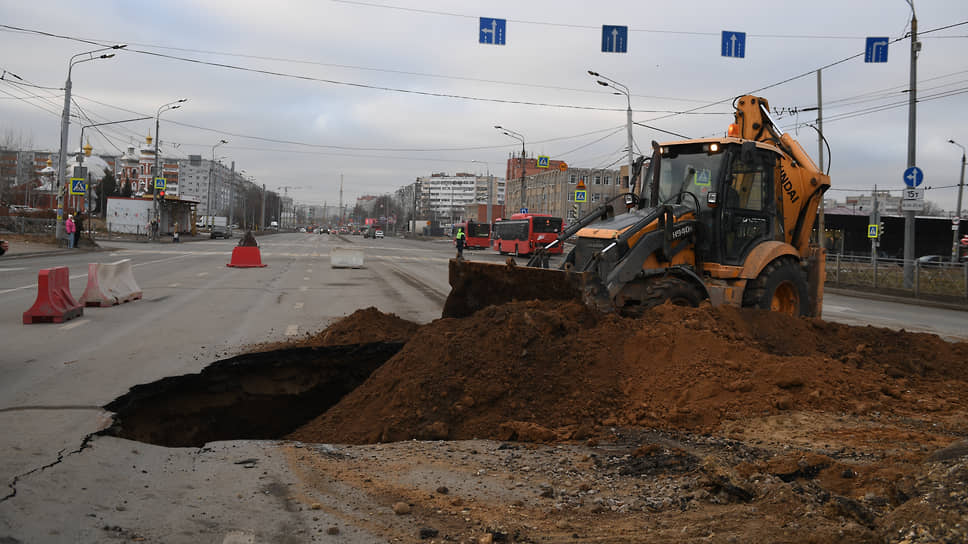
<point>581,196</point>
<point>872,231</point>
<point>78,186</point>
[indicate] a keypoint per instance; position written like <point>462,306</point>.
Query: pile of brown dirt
<point>361,327</point>
<point>549,371</point>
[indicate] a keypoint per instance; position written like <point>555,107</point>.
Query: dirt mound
<point>363,326</point>
<point>548,371</point>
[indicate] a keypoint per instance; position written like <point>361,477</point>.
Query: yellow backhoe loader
<point>725,219</point>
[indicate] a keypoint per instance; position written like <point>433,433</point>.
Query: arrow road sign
<point>913,176</point>
<point>734,44</point>
<point>492,31</point>
<point>78,186</point>
<point>876,50</point>
<point>615,39</point>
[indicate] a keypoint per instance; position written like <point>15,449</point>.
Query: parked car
<point>221,231</point>
<point>378,234</point>
<point>932,261</point>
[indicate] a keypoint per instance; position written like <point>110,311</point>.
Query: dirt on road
<point>685,425</point>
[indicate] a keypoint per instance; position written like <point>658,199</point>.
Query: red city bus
<point>477,235</point>
<point>526,232</point>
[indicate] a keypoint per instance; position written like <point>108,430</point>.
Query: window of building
<point>596,197</point>
<point>607,180</point>
<point>571,196</point>
<point>598,180</point>
<point>572,179</point>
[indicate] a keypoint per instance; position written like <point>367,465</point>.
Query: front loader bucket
<point>477,285</point>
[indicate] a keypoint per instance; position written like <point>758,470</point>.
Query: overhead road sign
<point>913,176</point>
<point>581,196</point>
<point>78,186</point>
<point>876,50</point>
<point>493,31</point>
<point>543,161</point>
<point>734,44</point>
<point>615,39</point>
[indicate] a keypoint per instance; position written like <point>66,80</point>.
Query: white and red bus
<point>526,232</point>
<point>477,235</point>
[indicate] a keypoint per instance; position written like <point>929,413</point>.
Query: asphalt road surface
<point>64,486</point>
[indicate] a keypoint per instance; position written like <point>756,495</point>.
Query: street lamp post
<point>628,98</point>
<point>211,182</point>
<point>65,127</point>
<point>956,228</point>
<point>516,136</point>
<point>157,172</point>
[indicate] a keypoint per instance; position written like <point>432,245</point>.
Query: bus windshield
<point>547,224</point>
<point>478,230</point>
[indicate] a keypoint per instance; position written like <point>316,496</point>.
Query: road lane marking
<point>16,269</point>
<point>77,323</point>
<point>173,284</point>
<point>298,306</point>
<point>309,271</point>
<point>303,288</point>
<point>200,274</point>
<point>292,330</point>
<point>306,278</point>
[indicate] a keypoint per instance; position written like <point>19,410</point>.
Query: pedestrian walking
<point>175,234</point>
<point>69,228</point>
<point>78,229</point>
<point>460,242</point>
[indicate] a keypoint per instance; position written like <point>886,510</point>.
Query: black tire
<point>780,287</point>
<point>671,289</point>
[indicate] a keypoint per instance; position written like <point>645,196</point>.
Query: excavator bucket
<point>477,285</point>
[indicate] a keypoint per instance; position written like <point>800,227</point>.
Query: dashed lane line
<point>298,306</point>
<point>75,324</point>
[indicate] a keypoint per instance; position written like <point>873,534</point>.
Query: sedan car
<point>931,261</point>
<point>378,234</point>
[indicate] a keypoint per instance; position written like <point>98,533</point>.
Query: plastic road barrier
<point>341,257</point>
<point>246,257</point>
<point>54,302</point>
<point>109,284</point>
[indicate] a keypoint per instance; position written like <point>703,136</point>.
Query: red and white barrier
<point>54,302</point>
<point>246,257</point>
<point>109,284</point>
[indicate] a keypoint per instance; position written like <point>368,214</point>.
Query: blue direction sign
<point>492,31</point>
<point>615,39</point>
<point>524,210</point>
<point>78,186</point>
<point>543,161</point>
<point>913,176</point>
<point>159,183</point>
<point>581,196</point>
<point>734,44</point>
<point>876,50</point>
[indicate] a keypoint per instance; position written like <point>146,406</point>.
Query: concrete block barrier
<point>109,284</point>
<point>341,257</point>
<point>54,303</point>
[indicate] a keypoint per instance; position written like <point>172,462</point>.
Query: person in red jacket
<point>69,228</point>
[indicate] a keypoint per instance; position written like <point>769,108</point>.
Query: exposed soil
<point>685,425</point>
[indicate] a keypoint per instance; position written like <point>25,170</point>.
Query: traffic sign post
<point>160,184</point>
<point>913,176</point>
<point>733,44</point>
<point>492,31</point>
<point>543,161</point>
<point>615,39</point>
<point>524,210</point>
<point>78,186</point>
<point>872,231</point>
<point>581,195</point>
<point>876,50</point>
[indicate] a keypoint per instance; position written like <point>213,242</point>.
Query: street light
<point>961,185</point>
<point>516,136</point>
<point>157,172</point>
<point>490,189</point>
<point>628,98</point>
<point>65,127</point>
<point>211,182</point>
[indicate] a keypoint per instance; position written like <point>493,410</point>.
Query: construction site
<point>547,421</point>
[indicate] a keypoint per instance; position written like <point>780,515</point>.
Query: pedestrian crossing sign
<point>581,196</point>
<point>872,231</point>
<point>160,184</point>
<point>78,186</point>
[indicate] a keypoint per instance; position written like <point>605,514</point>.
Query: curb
<point>900,300</point>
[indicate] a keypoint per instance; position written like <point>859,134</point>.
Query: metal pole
<point>956,228</point>
<point>156,173</point>
<point>523,158</point>
<point>821,227</point>
<point>875,220</point>
<point>629,129</point>
<point>62,156</point>
<point>262,223</point>
<point>909,216</point>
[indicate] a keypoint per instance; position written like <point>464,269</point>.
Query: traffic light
<point>161,193</point>
<point>880,229</point>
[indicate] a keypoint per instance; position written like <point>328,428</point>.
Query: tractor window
<point>746,212</point>
<point>688,173</point>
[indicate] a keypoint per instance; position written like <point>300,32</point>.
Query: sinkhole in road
<point>252,396</point>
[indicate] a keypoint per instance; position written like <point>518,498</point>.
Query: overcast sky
<point>384,91</point>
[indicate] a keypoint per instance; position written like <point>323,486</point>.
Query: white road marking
<point>173,284</point>
<point>15,269</point>
<point>305,278</point>
<point>292,330</point>
<point>238,537</point>
<point>74,324</point>
<point>200,274</point>
<point>303,288</point>
<point>309,271</point>
<point>836,309</point>
<point>298,306</point>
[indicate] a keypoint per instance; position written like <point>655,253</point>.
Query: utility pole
<point>875,220</point>
<point>821,228</point>
<point>262,222</point>
<point>340,200</point>
<point>909,216</point>
<point>956,223</point>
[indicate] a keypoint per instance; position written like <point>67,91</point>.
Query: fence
<point>932,280</point>
<point>27,225</point>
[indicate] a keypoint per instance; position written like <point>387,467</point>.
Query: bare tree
<point>16,140</point>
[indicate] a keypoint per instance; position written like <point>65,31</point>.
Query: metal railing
<point>932,280</point>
